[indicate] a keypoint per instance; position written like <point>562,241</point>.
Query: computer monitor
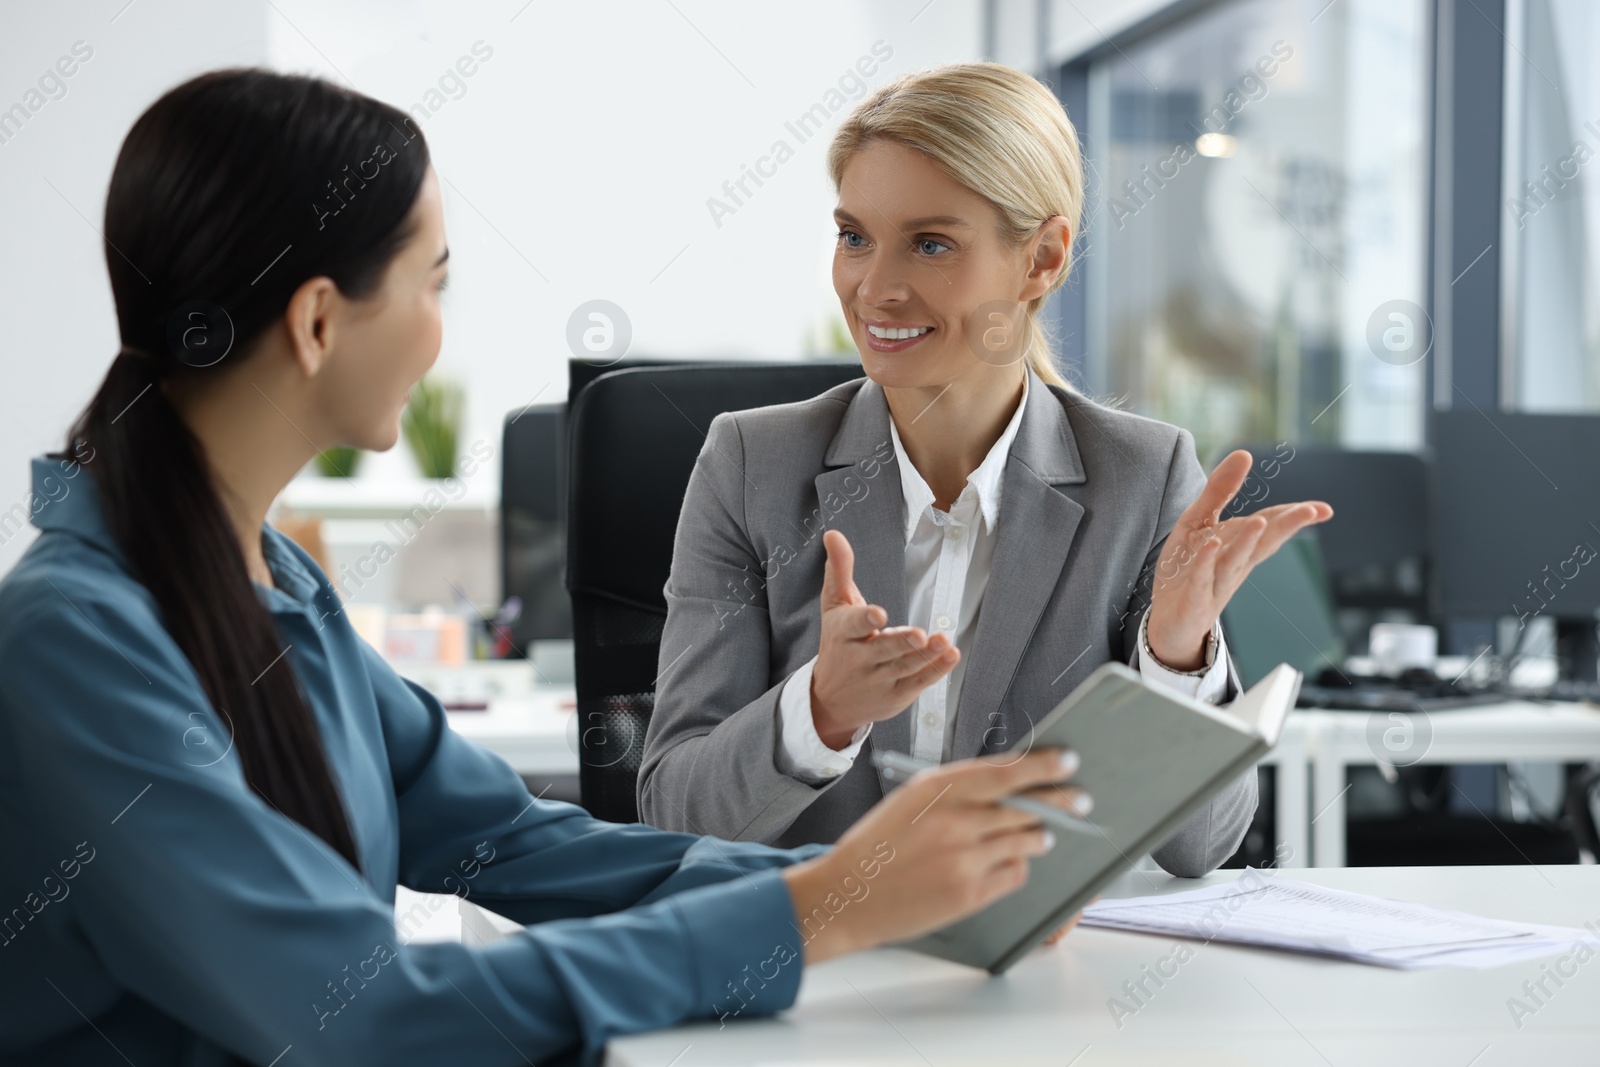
<point>1517,499</point>
<point>1283,613</point>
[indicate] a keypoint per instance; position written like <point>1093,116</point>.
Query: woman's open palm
<point>1206,559</point>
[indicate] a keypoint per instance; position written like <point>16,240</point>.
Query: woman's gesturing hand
<point>1205,561</point>
<point>865,672</point>
<point>936,849</point>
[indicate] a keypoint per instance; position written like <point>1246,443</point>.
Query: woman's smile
<point>894,336</point>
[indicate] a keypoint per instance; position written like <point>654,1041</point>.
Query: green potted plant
<point>432,425</point>
<point>340,461</point>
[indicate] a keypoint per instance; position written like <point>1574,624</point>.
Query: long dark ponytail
<point>230,192</point>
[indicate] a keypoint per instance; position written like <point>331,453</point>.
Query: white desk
<point>535,732</point>
<point>1290,814</point>
<point>1225,1005</point>
<point>1494,733</point>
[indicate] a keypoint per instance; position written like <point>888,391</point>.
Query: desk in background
<point>533,727</point>
<point>1225,1004</point>
<point>528,722</point>
<point>1491,733</point>
<point>536,732</point>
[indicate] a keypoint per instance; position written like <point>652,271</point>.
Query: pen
<point>902,766</point>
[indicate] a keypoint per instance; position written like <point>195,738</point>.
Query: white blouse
<point>948,561</point>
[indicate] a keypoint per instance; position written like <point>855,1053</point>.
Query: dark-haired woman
<point>210,787</point>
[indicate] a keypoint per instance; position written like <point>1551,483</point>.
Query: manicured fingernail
<point>1070,761</point>
<point>1083,804</point>
<point>1049,840</point>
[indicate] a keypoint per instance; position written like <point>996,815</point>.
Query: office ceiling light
<point>1216,145</point>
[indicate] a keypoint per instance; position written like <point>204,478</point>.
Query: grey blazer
<point>1089,495</point>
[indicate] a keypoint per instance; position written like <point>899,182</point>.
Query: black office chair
<point>634,435</point>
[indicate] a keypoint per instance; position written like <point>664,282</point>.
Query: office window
<point>1552,204</point>
<point>1255,248</point>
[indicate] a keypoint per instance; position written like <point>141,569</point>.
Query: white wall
<point>58,331</point>
<point>1069,27</point>
<point>579,159</point>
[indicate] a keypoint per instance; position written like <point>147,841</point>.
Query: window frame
<point>1466,285</point>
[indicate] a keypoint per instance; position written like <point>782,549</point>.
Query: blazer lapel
<point>862,453</point>
<point>1037,524</point>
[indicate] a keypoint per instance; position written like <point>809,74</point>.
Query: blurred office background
<point>1319,227</point>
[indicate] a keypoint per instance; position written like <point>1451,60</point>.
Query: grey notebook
<point>1151,758</point>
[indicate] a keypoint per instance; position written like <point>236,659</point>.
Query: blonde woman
<point>980,536</point>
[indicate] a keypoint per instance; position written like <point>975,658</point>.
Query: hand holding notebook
<point>1150,759</point>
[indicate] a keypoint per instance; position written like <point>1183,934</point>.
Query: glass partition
<point>1256,235</point>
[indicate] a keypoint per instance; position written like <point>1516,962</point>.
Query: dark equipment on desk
<point>1284,614</point>
<point>1377,549</point>
<point>533,543</point>
<point>533,509</point>
<point>1291,610</point>
<point>1495,471</point>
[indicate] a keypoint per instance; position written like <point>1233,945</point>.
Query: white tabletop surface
<point>1515,729</point>
<point>535,732</point>
<point>1225,1005</point>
